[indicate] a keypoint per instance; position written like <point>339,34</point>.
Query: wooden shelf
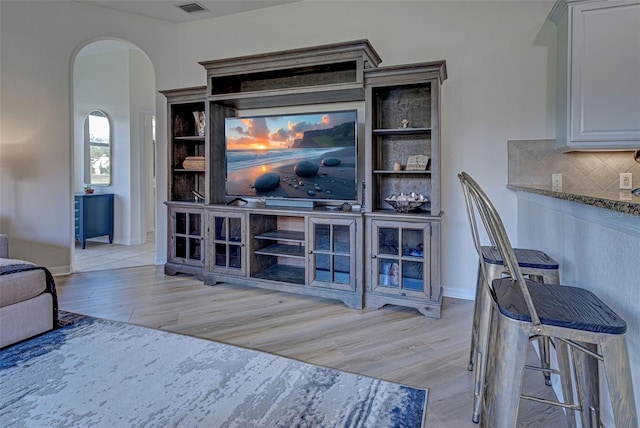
<point>395,213</point>
<point>335,252</point>
<point>283,273</point>
<point>282,235</point>
<point>283,250</point>
<point>196,138</point>
<point>388,171</point>
<point>402,131</point>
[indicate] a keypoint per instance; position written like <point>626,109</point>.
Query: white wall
<point>38,42</point>
<point>142,88</point>
<point>498,89</point>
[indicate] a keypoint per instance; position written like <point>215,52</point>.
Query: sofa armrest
<point>4,246</point>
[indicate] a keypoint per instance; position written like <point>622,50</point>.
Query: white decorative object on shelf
<point>407,202</point>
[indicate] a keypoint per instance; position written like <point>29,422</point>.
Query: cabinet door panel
<point>341,239</point>
<point>235,229</point>
<point>235,256</point>
<point>342,269</point>
<point>322,237</point>
<point>384,272</point>
<point>400,255</point>
<point>388,239</point>
<point>180,248</point>
<point>220,254</point>
<point>413,241</point>
<point>226,233</point>
<point>185,243</point>
<point>195,224</point>
<point>180,223</point>
<point>605,65</point>
<point>194,249</point>
<point>331,256</point>
<point>413,275</point>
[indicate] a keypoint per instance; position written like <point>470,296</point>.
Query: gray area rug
<point>99,373</point>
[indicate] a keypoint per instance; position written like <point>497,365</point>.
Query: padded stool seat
<point>527,258</point>
<point>568,307</point>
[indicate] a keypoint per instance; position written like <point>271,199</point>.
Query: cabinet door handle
<point>373,256</point>
<point>310,251</point>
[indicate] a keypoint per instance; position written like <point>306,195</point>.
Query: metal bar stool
<point>538,266</point>
<point>574,317</point>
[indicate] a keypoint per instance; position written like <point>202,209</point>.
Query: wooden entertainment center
<point>364,252</point>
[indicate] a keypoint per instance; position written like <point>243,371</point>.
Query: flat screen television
<point>306,156</point>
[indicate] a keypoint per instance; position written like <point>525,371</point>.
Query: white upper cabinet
<point>598,74</point>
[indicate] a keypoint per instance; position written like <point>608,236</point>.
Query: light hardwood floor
<point>98,254</point>
<point>393,343</point>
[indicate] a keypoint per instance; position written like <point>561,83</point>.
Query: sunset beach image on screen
<point>307,155</point>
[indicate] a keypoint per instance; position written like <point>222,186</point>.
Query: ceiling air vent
<point>192,7</point>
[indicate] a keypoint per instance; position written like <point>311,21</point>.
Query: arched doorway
<point>117,78</point>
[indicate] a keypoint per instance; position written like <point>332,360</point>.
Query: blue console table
<point>94,216</point>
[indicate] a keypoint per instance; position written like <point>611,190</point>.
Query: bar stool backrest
<point>480,206</point>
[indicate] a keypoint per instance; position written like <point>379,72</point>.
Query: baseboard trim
<point>459,293</point>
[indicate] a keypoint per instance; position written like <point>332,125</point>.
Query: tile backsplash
<point>533,161</point>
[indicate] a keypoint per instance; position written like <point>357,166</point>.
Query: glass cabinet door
<point>400,258</point>
<point>331,254</point>
<point>187,247</point>
<point>227,232</point>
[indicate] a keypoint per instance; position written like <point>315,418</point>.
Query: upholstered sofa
<point>28,303</point>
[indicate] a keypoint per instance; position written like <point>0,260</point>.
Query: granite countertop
<point>623,201</point>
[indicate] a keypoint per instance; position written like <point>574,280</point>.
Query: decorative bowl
<point>407,202</point>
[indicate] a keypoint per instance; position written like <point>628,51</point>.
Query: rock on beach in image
<point>330,162</point>
<point>306,169</point>
<point>266,182</point>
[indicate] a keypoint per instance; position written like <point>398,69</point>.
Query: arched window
<point>97,149</point>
